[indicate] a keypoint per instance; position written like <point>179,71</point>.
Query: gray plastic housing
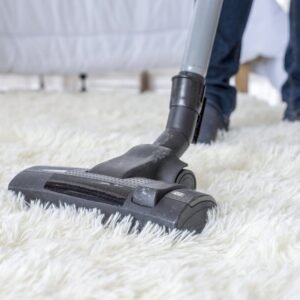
<point>168,205</point>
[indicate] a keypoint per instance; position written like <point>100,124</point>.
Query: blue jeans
<point>225,58</point>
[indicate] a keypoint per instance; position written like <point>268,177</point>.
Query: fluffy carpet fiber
<point>250,248</point>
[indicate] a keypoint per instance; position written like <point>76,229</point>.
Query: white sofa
<point>95,36</point>
<point>92,36</point>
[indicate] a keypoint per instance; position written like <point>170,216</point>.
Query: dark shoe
<point>291,115</point>
<point>213,121</point>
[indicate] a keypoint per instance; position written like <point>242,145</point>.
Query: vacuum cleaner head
<point>149,182</point>
<point>169,205</point>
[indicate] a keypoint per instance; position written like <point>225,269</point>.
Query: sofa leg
<point>145,82</point>
<point>83,78</point>
<point>242,78</point>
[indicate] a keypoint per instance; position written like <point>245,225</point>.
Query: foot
<point>291,115</point>
<point>213,121</point>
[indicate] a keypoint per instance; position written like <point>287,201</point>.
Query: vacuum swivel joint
<point>186,108</point>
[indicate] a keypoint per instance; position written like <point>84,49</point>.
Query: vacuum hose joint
<point>186,104</point>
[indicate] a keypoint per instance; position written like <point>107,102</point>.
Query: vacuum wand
<point>201,36</point>
<point>188,87</point>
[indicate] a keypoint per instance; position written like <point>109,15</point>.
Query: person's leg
<point>225,60</point>
<point>291,88</point>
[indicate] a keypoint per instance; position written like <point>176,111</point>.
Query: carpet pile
<point>250,248</point>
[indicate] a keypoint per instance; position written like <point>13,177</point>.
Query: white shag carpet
<point>250,248</point>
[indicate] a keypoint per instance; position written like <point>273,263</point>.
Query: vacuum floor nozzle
<point>170,205</point>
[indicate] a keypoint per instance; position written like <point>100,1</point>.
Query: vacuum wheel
<point>186,178</point>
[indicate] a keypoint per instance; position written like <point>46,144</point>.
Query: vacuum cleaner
<point>149,182</point>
